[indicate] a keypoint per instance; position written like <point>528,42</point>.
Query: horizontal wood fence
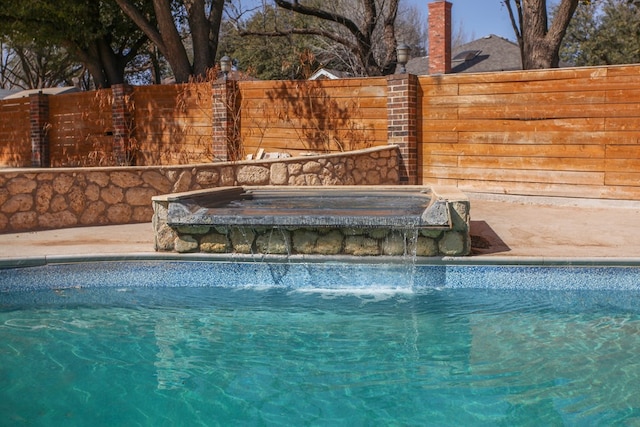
<point>321,116</point>
<point>568,132</point>
<point>15,141</point>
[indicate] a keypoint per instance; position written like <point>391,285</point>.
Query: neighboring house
<point>490,53</point>
<point>327,74</point>
<point>46,91</point>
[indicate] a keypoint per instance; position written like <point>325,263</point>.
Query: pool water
<point>223,354</point>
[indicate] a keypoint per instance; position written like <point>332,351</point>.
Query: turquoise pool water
<point>250,344</point>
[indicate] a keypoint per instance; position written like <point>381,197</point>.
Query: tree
<point>604,34</point>
<point>174,19</point>
<point>270,57</point>
<point>364,29</point>
<point>94,34</point>
<point>540,43</point>
<point>28,66</point>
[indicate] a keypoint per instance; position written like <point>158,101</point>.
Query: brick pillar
<point>439,37</point>
<point>123,124</point>
<point>39,122</point>
<point>402,123</point>
<point>226,121</point>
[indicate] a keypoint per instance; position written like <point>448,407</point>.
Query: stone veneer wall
<point>315,241</point>
<point>37,199</point>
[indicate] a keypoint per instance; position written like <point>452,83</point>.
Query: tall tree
<point>184,31</point>
<point>540,42</point>
<point>93,33</point>
<point>28,66</point>
<point>603,34</point>
<point>365,29</point>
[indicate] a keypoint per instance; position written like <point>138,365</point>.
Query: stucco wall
<point>37,199</point>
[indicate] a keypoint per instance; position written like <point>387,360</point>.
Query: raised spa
<point>344,220</point>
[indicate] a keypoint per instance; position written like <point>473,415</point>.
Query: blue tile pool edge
<point>17,262</point>
<point>455,273</point>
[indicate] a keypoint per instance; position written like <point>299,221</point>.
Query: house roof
<point>490,53</point>
<point>329,74</point>
<point>46,91</point>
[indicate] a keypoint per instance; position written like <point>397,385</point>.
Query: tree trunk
<point>539,44</point>
<point>175,53</point>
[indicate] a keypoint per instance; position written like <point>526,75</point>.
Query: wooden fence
<point>80,129</point>
<point>15,143</point>
<point>569,132</point>
<point>319,116</point>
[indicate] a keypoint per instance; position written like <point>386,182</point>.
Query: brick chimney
<point>439,37</point>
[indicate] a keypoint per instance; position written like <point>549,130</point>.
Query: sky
<point>475,18</point>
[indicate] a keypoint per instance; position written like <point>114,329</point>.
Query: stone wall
<point>314,241</point>
<point>37,199</point>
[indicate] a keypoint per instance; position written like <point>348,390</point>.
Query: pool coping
<point>38,261</point>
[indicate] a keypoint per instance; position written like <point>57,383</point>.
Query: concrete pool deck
<point>503,229</point>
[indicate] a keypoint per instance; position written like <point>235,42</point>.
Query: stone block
<point>184,244</point>
<point>57,220</point>
<point>252,175</point>
<point>58,203</point>
<point>119,213</point>
<point>43,197</point>
<point>24,220</point>
<point>92,213</point>
<point>21,185</point>
<point>361,246</point>
<point>18,203</point>
<point>92,192</point>
<point>311,167</point>
<point>208,178</point>
<point>142,214</point>
<point>279,174</point>
<point>183,183</point>
<point>99,178</point>
<point>394,244</point>
<point>304,241</point>
<point>214,243</point>
<point>126,179</point>
<point>112,195</point>
<point>453,243</point>
<point>275,241</point>
<point>62,183</point>
<point>77,201</point>
<point>165,237</point>
<point>426,246</point>
<point>157,181</point>
<point>329,243</point>
<point>242,240</point>
<point>137,196</point>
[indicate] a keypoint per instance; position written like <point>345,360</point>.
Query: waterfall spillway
<point>317,220</point>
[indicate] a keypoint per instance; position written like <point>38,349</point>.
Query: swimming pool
<point>257,343</point>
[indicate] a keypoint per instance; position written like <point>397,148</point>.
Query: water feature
<point>424,221</point>
<point>329,343</point>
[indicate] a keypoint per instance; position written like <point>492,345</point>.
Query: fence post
<point>123,124</point>
<point>39,123</point>
<point>226,120</point>
<point>402,123</point>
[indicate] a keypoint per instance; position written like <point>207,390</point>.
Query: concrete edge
<point>25,262</point>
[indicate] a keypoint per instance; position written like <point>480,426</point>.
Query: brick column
<point>439,37</point>
<point>39,121</point>
<point>123,124</point>
<point>226,121</point>
<point>402,123</point>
